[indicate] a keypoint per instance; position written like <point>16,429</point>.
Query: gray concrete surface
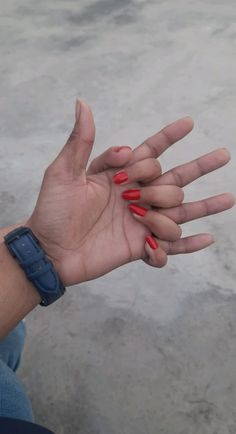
<point>140,351</point>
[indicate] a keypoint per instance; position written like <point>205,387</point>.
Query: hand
<point>81,220</point>
<point>180,176</point>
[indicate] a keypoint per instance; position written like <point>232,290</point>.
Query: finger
<point>155,255</point>
<point>186,173</point>
<point>187,245</point>
<point>202,208</point>
<point>154,146</point>
<point>161,226</point>
<point>75,154</point>
<point>142,171</point>
<point>116,156</point>
<point>160,196</point>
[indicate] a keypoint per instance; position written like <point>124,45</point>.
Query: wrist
<point>61,256</point>
<point>45,245</point>
<point>25,247</point>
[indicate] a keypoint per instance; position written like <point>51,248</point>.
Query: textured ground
<point>140,351</point>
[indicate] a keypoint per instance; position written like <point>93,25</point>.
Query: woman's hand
<point>179,176</point>
<point>83,223</point>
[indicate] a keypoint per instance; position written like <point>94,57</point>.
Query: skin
<point>86,228</point>
<point>84,225</point>
<point>179,176</point>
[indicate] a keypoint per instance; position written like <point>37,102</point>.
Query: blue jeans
<point>14,402</point>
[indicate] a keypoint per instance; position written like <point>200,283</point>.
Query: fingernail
<point>120,177</point>
<point>77,110</point>
<point>152,243</point>
<point>123,147</point>
<point>131,194</point>
<point>139,210</point>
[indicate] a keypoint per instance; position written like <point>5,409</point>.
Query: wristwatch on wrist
<point>25,247</point>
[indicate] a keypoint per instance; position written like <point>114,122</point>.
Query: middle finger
<point>161,226</point>
<point>164,196</point>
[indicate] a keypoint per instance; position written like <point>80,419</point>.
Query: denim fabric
<point>14,402</point>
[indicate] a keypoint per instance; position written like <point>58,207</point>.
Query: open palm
<point>84,225</point>
<point>81,220</point>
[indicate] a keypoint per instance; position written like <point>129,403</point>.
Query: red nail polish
<point>152,243</point>
<point>139,210</point>
<point>131,194</point>
<point>120,177</point>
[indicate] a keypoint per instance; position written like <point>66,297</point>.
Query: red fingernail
<point>139,210</point>
<point>123,147</point>
<point>131,194</point>
<point>120,177</point>
<point>152,243</point>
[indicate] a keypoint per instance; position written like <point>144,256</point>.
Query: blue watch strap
<point>25,247</point>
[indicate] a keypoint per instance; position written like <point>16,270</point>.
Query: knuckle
<point>180,232</point>
<point>112,149</point>
<point>180,194</point>
<point>170,248</point>
<point>153,167</point>
<point>110,155</point>
<point>88,141</point>
<point>76,136</point>
<point>156,165</point>
<point>206,207</point>
<point>178,178</point>
<point>176,234</point>
<point>162,261</point>
<point>152,148</point>
<point>183,216</point>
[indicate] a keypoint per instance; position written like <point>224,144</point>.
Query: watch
<point>25,248</point>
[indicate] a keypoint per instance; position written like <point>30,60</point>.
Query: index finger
<point>155,145</point>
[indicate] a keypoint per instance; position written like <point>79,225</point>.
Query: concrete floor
<point>140,351</point>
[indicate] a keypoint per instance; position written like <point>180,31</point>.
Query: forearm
<point>17,295</point>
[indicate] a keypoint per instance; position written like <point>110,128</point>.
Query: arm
<point>78,215</point>
<point>73,220</point>
<point>17,295</point>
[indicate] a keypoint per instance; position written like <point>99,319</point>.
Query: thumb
<point>78,148</point>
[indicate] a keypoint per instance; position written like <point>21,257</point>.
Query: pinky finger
<point>187,245</point>
<point>155,255</point>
